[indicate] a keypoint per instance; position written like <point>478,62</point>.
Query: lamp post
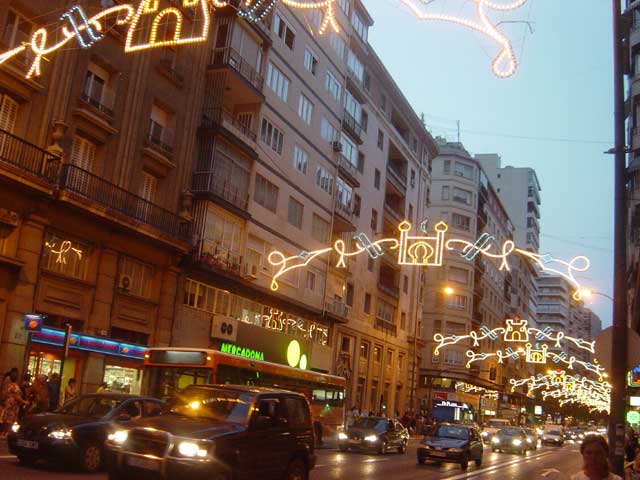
<point>587,293</point>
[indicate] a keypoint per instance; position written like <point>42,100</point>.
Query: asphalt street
<point>545,463</point>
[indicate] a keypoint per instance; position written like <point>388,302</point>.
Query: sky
<point>563,90</point>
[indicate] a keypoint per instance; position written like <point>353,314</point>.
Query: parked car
<point>218,432</point>
<point>510,439</point>
<point>532,438</point>
<point>452,443</point>
<point>553,435</point>
<point>75,433</point>
<point>374,434</point>
<point>492,426</point>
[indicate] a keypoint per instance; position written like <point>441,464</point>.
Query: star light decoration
<point>470,388</point>
<point>428,251</point>
<point>145,19</point>
<point>518,333</point>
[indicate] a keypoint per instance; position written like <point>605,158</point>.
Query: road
<point>333,464</point>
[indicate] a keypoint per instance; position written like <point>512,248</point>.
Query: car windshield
<point>554,432</point>
<point>450,431</point>
<point>212,403</point>
<point>372,424</point>
<point>510,432</point>
<point>497,423</point>
<point>91,406</point>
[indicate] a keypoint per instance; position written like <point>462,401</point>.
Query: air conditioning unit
<point>337,146</point>
<point>250,271</point>
<point>124,282</point>
<point>225,328</point>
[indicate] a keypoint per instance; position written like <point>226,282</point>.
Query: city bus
<point>168,370</point>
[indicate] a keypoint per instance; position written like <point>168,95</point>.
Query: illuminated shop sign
<point>87,343</point>
<point>450,404</point>
<point>241,351</point>
<point>33,322</point>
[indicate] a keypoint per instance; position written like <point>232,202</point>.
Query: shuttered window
<point>148,187</point>
<point>83,153</point>
<point>8,113</point>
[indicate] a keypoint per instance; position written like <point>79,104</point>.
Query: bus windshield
<point>164,381</point>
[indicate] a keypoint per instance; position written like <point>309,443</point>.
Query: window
<point>266,193</point>
<point>349,150</point>
<point>328,131</point>
<point>344,193</point>
<point>278,82</point>
<point>135,277</point>
<point>403,321</point>
<point>389,358</point>
<point>445,192</point>
<point>345,346</point>
<point>297,412</point>
<point>452,357</point>
<point>315,18</point>
<point>400,362</point>
<point>222,236</point>
<point>355,66</point>
<point>295,212</point>
<point>8,113</point>
<point>458,275</point>
<point>461,222</point>
<point>324,179</point>
<point>64,255</point>
<point>385,311</point>
<point>374,220</point>
<point>359,26</point>
<point>364,350</point>
<point>283,30</point>
<point>83,153</point>
<point>462,196</point>
<point>357,205</point>
<point>333,86</point>
<point>310,61</point>
<point>377,354</point>
<point>148,187</point>
<point>311,280</point>
<point>160,131</point>
<point>344,6</point>
<point>376,179</point>
<point>338,44</point>
<point>446,166</point>
<point>464,170</point>
<point>352,106</point>
<point>380,140</point>
<point>412,181</point>
<point>300,159</point>
<point>320,229</point>
<point>405,284</point>
<point>272,136</point>
<point>305,109</point>
<point>410,213</point>
<point>458,302</point>
<point>17,31</point>
<point>367,303</point>
<point>95,90</point>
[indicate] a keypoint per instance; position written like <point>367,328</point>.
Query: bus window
<point>163,381</point>
<point>229,375</point>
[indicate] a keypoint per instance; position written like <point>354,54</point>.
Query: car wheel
<point>91,458</point>
<point>493,449</point>
<point>478,462</point>
<point>297,470</point>
<point>382,449</point>
<point>464,463</point>
<point>26,460</point>
<point>421,461</point>
<point>342,448</point>
<point>403,447</point>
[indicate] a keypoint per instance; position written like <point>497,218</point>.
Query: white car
<point>553,436</point>
<point>491,428</point>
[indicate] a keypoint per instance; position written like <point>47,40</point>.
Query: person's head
<point>26,377</point>
<point>595,454</point>
<point>13,375</point>
<point>72,382</point>
<point>42,378</point>
<point>55,377</point>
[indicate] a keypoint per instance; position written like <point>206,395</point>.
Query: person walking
<point>12,403</point>
<point>595,460</point>
<point>54,391</point>
<point>70,391</point>
<point>632,470</point>
<point>38,395</point>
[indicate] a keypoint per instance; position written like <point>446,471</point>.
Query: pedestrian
<point>38,395</point>
<point>70,391</point>
<point>102,388</point>
<point>6,381</point>
<point>351,417</point>
<point>632,470</point>
<point>25,385</point>
<point>54,391</point>
<point>13,402</point>
<point>595,460</point>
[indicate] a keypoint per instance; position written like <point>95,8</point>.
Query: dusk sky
<point>555,115</point>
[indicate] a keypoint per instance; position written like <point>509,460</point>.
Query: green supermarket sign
<point>241,351</point>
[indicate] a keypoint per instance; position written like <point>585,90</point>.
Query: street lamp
<point>448,290</point>
<point>588,293</point>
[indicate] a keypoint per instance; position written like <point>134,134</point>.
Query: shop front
<point>452,411</point>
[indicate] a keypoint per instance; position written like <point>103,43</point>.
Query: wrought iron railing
<point>351,125</point>
<point>224,118</point>
<point>338,308</point>
<point>210,182</point>
<point>28,157</point>
<point>223,56</point>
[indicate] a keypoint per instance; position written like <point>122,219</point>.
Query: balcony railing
<point>227,56</point>
<point>392,290</point>
<point>347,167</point>
<point>161,135</point>
<point>397,178</point>
<point>394,213</point>
<point>211,183</point>
<point>214,255</point>
<point>345,211</point>
<point>338,308</point>
<point>351,126</point>
<point>28,157</point>
<point>224,118</point>
<point>103,102</point>
<point>382,324</point>
<point>93,187</point>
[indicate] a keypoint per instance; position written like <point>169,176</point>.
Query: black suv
<point>219,432</point>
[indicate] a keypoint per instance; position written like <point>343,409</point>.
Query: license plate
<point>438,454</point>
<point>354,442</point>
<point>27,444</point>
<point>144,463</point>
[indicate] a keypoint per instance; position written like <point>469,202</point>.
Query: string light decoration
<point>61,253</point>
<point>428,251</point>
<point>470,388</point>
<point>505,64</point>
<point>145,21</point>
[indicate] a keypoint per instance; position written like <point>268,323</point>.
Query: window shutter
<point>83,153</point>
<point>8,113</point>
<point>148,187</point>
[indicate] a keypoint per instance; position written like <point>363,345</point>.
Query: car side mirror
<point>123,417</point>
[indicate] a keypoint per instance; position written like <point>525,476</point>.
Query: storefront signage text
<point>242,351</point>
<point>448,403</point>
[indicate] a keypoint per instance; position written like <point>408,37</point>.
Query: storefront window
<point>122,379</point>
<point>43,364</point>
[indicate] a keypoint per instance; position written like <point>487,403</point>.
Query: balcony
<point>397,179</point>
<point>103,103</point>
<point>351,126</point>
<point>221,191</point>
<point>356,87</point>
<point>344,218</point>
<point>126,205</point>
<point>224,57</point>
<point>388,289</point>
<point>214,256</point>
<point>338,310</point>
<point>161,136</point>
<point>386,326</point>
<point>231,127</point>
<point>348,170</point>
<point>393,213</point>
<point>20,159</point>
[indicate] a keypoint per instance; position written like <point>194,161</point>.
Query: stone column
<point>166,308</point>
<point>100,318</point>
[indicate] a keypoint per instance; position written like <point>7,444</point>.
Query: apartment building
<point>95,216</point>
<point>321,143</point>
<point>556,307</point>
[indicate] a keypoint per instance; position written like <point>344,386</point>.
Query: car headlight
<point>495,440</point>
<point>529,440</point>
<point>485,434</point>
<point>371,438</point>
<point>118,437</point>
<point>456,450</point>
<point>342,436</point>
<point>539,431</point>
<point>517,442</point>
<point>15,427</point>
<point>60,434</point>
<point>191,449</point>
